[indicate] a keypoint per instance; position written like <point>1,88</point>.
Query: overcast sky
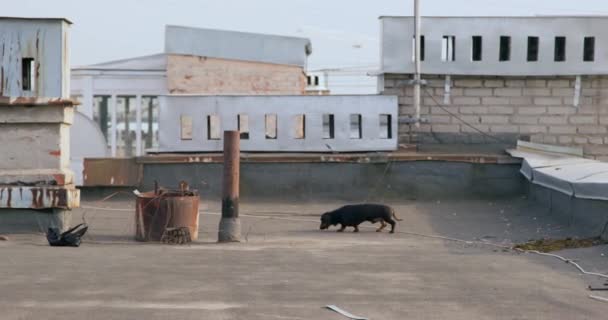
<point>343,32</point>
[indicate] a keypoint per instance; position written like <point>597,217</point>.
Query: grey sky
<point>116,29</point>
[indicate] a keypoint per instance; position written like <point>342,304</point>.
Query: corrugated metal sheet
<point>571,175</point>
<point>234,45</point>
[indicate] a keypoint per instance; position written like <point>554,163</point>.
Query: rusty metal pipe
<point>230,226</point>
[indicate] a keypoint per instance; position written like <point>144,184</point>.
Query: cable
<point>462,120</point>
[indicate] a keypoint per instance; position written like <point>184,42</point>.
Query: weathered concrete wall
<point>581,214</point>
<point>401,181</point>
<point>540,109</point>
<point>202,75</point>
<point>44,40</point>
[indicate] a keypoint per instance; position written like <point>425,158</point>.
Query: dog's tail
<point>394,215</point>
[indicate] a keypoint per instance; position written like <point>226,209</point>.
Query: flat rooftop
<point>286,268</point>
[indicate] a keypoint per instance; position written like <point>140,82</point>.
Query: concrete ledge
<point>588,216</point>
<point>394,181</point>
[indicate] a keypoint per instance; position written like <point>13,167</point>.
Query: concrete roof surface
<point>286,268</point>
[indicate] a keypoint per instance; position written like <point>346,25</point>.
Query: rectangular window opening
<point>560,49</point>
<point>505,48</point>
<point>28,74</point>
<point>186,127</point>
<point>300,126</point>
<point>309,80</point>
<point>421,48</point>
<point>213,127</point>
<point>386,130</point>
<point>477,48</point>
<point>533,45</point>
<point>448,48</point>
<point>355,126</point>
<point>589,49</point>
<point>328,126</point>
<point>316,80</point>
<point>271,126</point>
<point>243,126</point>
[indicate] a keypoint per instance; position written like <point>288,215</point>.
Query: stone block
<point>561,83</point>
<point>489,101</point>
<point>536,83</point>
<point>504,129</point>
<point>466,101</point>
<point>508,92</point>
<point>583,120</point>
<point>562,129</point>
<point>528,119</point>
<point>548,101</point>
<point>474,110</point>
<point>553,120</point>
<point>535,110</point>
<point>495,119</point>
<point>501,110</point>
<point>468,83</point>
<point>478,92</point>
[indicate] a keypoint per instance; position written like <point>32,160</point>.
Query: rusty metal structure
<point>230,227</point>
<point>163,210</point>
<point>35,120</point>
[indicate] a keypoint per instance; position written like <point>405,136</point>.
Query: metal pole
<point>230,226</point>
<point>417,30</point>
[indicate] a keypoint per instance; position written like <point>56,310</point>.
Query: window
<point>589,49</point>
<point>355,126</point>
<point>328,126</point>
<point>213,127</point>
<point>477,48</point>
<point>316,80</point>
<point>28,74</point>
<point>300,126</point>
<point>386,124</point>
<point>271,126</point>
<point>448,48</point>
<point>243,126</point>
<point>186,127</point>
<point>533,49</point>
<point>309,80</point>
<point>505,48</point>
<point>560,49</point>
<point>421,48</point>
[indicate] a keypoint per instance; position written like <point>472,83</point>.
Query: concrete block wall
<point>537,109</point>
<point>201,75</point>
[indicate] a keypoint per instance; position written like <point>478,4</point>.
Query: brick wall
<point>537,109</point>
<point>201,75</point>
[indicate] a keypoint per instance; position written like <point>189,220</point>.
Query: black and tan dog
<point>354,215</point>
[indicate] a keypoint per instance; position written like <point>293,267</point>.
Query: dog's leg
<point>356,229</point>
<point>392,223</point>
<point>382,226</point>
<point>342,228</point>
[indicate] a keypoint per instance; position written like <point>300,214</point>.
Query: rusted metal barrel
<point>162,210</point>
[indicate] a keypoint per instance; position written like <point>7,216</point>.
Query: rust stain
<point>59,179</point>
<point>1,80</point>
<point>56,153</point>
<point>9,197</point>
<point>188,76</point>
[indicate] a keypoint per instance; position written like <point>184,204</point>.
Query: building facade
<point>122,96</point>
<point>494,80</point>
